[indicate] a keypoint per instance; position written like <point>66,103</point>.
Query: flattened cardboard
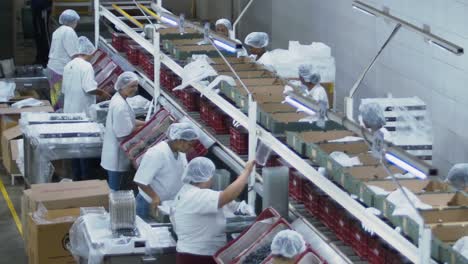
<point>447,215</point>
<point>6,144</point>
<point>450,233</point>
<point>249,74</point>
<point>443,200</point>
<point>288,117</point>
<point>12,111</point>
<point>350,148</point>
<point>258,82</point>
<point>276,108</point>
<point>320,136</point>
<point>241,60</point>
<point>238,67</point>
<point>416,186</point>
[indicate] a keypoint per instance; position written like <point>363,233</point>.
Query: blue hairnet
<point>288,244</point>
<point>68,17</point>
<point>125,79</point>
<point>257,40</point>
<point>85,46</point>
<point>458,176</point>
<point>224,22</point>
<point>372,115</point>
<point>182,131</point>
<point>199,170</point>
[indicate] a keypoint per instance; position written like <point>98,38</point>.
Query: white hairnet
<point>257,40</point>
<point>182,131</point>
<point>458,176</point>
<point>306,71</point>
<point>198,170</point>
<point>125,79</point>
<point>224,22</point>
<point>68,17</point>
<point>288,244</point>
<point>85,46</point>
<point>372,115</point>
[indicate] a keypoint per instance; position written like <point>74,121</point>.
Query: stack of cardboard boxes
<point>48,212</point>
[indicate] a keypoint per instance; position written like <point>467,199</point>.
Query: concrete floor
<point>11,242</point>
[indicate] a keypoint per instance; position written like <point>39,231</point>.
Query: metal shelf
<point>386,232</point>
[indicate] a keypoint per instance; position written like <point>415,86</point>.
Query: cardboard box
<point>49,236</point>
<point>9,116</point>
<point>63,195</point>
<point>9,150</point>
<point>444,200</point>
<point>249,74</point>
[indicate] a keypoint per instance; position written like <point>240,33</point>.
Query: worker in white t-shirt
<point>311,84</point>
<point>159,177</point>
<point>80,89</point>
<point>286,246</point>
<point>63,48</point>
<point>197,214</point>
<point>120,123</point>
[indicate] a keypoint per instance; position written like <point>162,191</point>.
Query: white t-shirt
<point>199,224</point>
<point>162,171</point>
<point>63,47</point>
<point>318,94</point>
<point>119,124</point>
<point>78,81</point>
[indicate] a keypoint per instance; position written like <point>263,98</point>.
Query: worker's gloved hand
<point>244,209</point>
<point>288,89</point>
<point>370,211</point>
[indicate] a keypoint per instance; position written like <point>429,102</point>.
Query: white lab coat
<point>78,81</point>
<point>63,47</point>
<point>199,224</point>
<point>160,169</point>
<point>119,124</point>
<point>318,94</point>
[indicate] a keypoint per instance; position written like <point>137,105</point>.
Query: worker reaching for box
<point>197,212</point>
<point>79,90</point>
<point>159,176</point>
<point>311,84</point>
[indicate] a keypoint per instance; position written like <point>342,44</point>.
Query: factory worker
<point>224,27</point>
<point>159,176</point>
<point>286,246</point>
<point>372,116</point>
<point>79,88</point>
<point>256,43</point>
<point>120,123</point>
<point>63,48</point>
<point>197,214</point>
<point>311,84</point>
<point>458,176</point>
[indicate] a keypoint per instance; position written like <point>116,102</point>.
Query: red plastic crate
<point>205,108</point>
<point>296,182</point>
<point>117,41</point>
<point>133,54</point>
<point>126,43</point>
<point>359,240</point>
<point>239,140</point>
<point>312,198</point>
<point>344,227</point>
<point>197,151</point>
<point>377,252</point>
<point>191,99</point>
<point>328,213</point>
<point>219,122</point>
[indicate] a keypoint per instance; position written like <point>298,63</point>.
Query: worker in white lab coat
<point>197,213</point>
<point>311,86</point>
<point>120,123</point>
<point>80,89</point>
<point>256,43</point>
<point>63,48</point>
<point>286,246</point>
<point>159,176</point>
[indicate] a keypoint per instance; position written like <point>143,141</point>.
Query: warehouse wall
<point>408,67</point>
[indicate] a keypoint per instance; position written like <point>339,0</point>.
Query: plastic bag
<point>344,160</point>
<point>461,246</point>
<point>30,102</point>
<point>402,206</point>
<point>196,71</point>
<point>7,91</point>
<point>138,102</point>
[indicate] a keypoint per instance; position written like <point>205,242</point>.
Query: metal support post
<point>424,243</point>
<point>253,137</point>
<point>96,23</point>
<point>157,67</point>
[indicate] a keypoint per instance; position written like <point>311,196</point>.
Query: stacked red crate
<point>328,213</point>
<point>219,122</point>
<point>191,99</point>
<point>133,54</point>
<point>377,253</point>
<point>126,43</point>
<point>312,198</point>
<point>117,41</point>
<point>344,227</point>
<point>198,150</point>
<point>359,240</point>
<point>239,140</point>
<point>205,108</point>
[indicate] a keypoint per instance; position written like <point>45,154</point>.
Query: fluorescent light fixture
<point>363,11</point>
<point>169,21</point>
<point>299,106</point>
<point>392,158</point>
<point>224,46</point>
<point>440,46</point>
<point>436,40</point>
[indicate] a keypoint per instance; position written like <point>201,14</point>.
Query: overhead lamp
<point>299,106</point>
<point>169,20</point>
<point>400,163</point>
<point>363,11</point>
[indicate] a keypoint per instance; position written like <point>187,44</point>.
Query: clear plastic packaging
<point>7,90</point>
<point>262,153</point>
<point>122,210</point>
<point>30,102</point>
